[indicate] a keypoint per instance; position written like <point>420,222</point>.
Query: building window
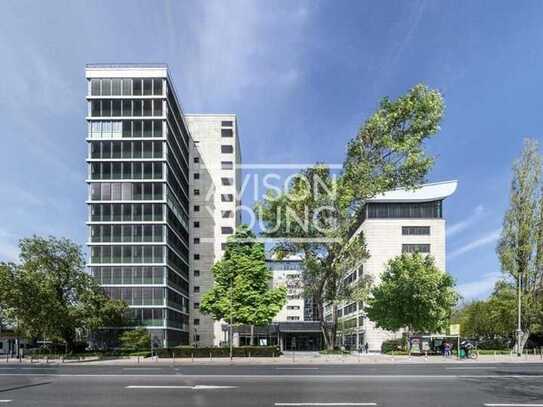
<point>196,208</point>
<point>196,256</point>
<point>196,192</point>
<point>227,198</point>
<point>227,133</point>
<point>227,230</point>
<point>227,181</point>
<point>227,165</point>
<point>293,307</point>
<point>196,321</point>
<point>227,214</point>
<point>196,160</point>
<point>196,289</point>
<point>196,305</point>
<point>228,123</point>
<point>416,230</point>
<point>196,273</point>
<point>196,224</point>
<point>415,248</point>
<point>223,246</point>
<point>196,240</point>
<point>196,175</point>
<point>292,318</point>
<point>422,210</point>
<point>227,149</point>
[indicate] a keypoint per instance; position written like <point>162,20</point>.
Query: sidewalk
<point>292,358</point>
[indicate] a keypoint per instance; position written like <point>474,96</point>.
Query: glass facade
<point>138,202</point>
<point>421,210</point>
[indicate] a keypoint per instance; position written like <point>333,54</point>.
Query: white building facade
<point>288,273</point>
<point>393,223</point>
<point>215,178</point>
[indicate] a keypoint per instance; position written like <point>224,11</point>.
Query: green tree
<point>493,318</point>
<point>241,289</point>
<point>138,339</point>
<point>320,212</point>
<point>50,295</point>
<point>520,247</point>
<point>413,293</point>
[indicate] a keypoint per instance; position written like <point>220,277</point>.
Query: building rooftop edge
<point>423,193</point>
<point>127,65</point>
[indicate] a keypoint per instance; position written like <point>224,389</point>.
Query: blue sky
<point>302,76</point>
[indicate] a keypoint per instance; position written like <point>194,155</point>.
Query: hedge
<point>391,345</point>
<point>243,351</point>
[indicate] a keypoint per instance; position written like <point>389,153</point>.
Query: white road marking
<point>142,368</point>
<point>281,377</point>
<point>325,404</point>
<point>297,368</point>
<point>5,401</point>
<point>197,387</point>
<point>470,367</point>
<point>512,405</point>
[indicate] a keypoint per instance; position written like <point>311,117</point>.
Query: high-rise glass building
<point>138,196</point>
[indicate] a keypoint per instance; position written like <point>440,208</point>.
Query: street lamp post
<point>231,320</point>
<point>519,313</point>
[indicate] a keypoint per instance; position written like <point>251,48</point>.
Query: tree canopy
<point>319,214</point>
<point>413,293</point>
<point>520,247</point>
<point>50,295</point>
<point>241,289</point>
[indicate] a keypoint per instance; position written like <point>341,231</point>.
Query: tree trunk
<point>523,340</point>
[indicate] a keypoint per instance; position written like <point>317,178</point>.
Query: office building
<point>393,223</point>
<point>138,196</point>
<point>215,182</point>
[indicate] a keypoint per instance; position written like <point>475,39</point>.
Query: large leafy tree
<point>319,213</point>
<point>50,295</point>
<point>490,319</point>
<point>520,247</point>
<point>242,289</point>
<point>413,293</point>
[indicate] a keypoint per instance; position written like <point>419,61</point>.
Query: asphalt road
<point>432,385</point>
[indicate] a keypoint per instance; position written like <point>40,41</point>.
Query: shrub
<point>136,339</point>
<point>243,351</point>
<point>391,345</point>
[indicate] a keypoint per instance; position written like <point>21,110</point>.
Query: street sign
<point>454,329</point>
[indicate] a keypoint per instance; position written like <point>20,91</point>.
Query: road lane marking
<point>512,405</point>
<point>5,401</point>
<point>142,368</point>
<point>325,404</point>
<point>297,368</point>
<point>470,367</point>
<point>281,377</point>
<point>197,387</point>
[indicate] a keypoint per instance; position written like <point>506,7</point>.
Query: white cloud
<point>458,227</point>
<point>480,288</point>
<point>234,50</point>
<point>481,241</point>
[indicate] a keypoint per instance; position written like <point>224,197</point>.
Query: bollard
<point>192,357</point>
<point>210,356</point>
<point>426,355</point>
<point>173,358</point>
